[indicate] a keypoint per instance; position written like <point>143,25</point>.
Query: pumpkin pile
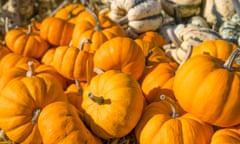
<point>122,71</point>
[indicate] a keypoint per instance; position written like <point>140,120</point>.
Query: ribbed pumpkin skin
<point>226,135</point>
<point>153,37</point>
<point>3,50</point>
<point>59,123</point>
<point>65,13</point>
<point>122,106</point>
<point>158,127</point>
<point>18,101</point>
<point>56,31</point>
<point>159,80</point>
<point>71,62</point>
<point>12,60</point>
<point>27,44</point>
<point>206,89</point>
<point>88,29</point>
<point>217,48</point>
<point>120,53</point>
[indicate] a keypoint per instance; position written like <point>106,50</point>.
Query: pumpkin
<point>39,70</point>
<point>153,37</point>
<point>139,16</point>
<point>74,93</point>
<point>159,80</point>
<point>71,12</point>
<point>21,101</point>
<point>185,36</point>
<point>59,122</point>
<point>208,88</point>
<point>3,49</point>
<point>230,30</point>
<point>218,48</point>
<point>181,8</point>
<point>120,53</point>
<point>112,104</point>
<point>98,29</point>
<point>71,62</point>
<point>164,122</point>
<point>12,60</point>
<point>26,42</point>
<point>56,31</point>
<point>226,135</point>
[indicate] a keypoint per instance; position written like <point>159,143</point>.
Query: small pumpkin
<point>3,49</point>
<point>212,84</point>
<point>164,122</point>
<point>159,80</point>
<point>226,135</point>
<point>120,53</point>
<point>21,101</point>
<point>71,62</point>
<point>71,12</point>
<point>26,42</point>
<point>56,31</point>
<point>153,37</point>
<point>12,60</point>
<point>112,104</point>
<point>98,29</point>
<point>59,122</point>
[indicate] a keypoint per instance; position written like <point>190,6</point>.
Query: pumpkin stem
<point>228,63</point>
<point>98,25</point>
<point>30,72</point>
<point>98,70</point>
<point>29,30</point>
<point>36,113</point>
<point>70,13</point>
<point>236,5</point>
<point>188,55</point>
<point>173,37</point>
<point>81,45</point>
<point>98,100</point>
<point>6,21</point>
<point>79,92</point>
<point>174,114</point>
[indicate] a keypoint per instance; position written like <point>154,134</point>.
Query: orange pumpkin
<point>153,37</point>
<point>3,50</point>
<point>163,122</point>
<point>71,62</point>
<point>120,53</point>
<point>59,122</point>
<point>26,42</point>
<point>230,135</point>
<point>29,69</point>
<point>218,48</point>
<point>12,60</point>
<point>21,101</point>
<point>98,29</point>
<point>210,88</point>
<point>71,12</point>
<point>159,80</point>
<point>112,104</point>
<point>56,31</point>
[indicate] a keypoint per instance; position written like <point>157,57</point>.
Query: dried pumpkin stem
<point>236,5</point>
<point>79,92</point>
<point>6,21</point>
<point>99,100</point>
<point>228,63</point>
<point>123,20</point>
<point>36,113</point>
<point>98,25</point>
<point>98,70</point>
<point>174,114</point>
<point>29,30</point>
<point>30,72</point>
<point>81,45</point>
